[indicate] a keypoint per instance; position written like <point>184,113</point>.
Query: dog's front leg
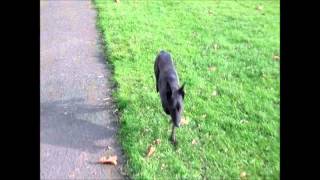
<point>173,134</point>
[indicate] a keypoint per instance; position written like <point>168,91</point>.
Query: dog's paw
<point>173,140</point>
<point>175,144</point>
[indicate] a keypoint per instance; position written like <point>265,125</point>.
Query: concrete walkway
<point>77,123</point>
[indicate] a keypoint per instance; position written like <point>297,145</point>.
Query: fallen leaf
<point>106,99</point>
<point>214,93</point>
<point>243,175</point>
<point>115,111</point>
<point>212,68</point>
<point>109,160</point>
<point>194,34</point>
<point>243,121</point>
<point>215,46</point>
<point>194,142</point>
<point>145,130</point>
<point>108,148</point>
<point>259,8</point>
<point>72,175</point>
<point>275,57</point>
<point>157,141</point>
<point>184,121</point>
<point>151,150</point>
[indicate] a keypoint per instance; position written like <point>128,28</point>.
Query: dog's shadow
<point>70,124</point>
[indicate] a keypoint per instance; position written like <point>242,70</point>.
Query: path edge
<point>123,169</point>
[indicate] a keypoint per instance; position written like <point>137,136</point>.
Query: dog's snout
<point>177,124</point>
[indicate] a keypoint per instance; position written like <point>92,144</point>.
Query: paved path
<point>77,123</point>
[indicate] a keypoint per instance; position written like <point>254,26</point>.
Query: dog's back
<point>166,79</point>
<point>164,62</point>
<point>165,70</point>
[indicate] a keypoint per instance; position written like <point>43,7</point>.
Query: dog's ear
<point>181,90</point>
<point>169,91</point>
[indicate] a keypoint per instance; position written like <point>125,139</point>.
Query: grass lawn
<point>224,51</point>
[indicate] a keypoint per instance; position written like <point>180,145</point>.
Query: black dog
<point>167,84</point>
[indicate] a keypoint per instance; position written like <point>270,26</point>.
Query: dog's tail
<point>162,51</point>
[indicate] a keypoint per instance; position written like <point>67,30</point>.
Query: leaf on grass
<point>275,57</point>
<point>184,121</point>
<point>259,8</point>
<point>243,121</point>
<point>109,160</point>
<point>194,34</point>
<point>214,93</point>
<point>243,175</point>
<point>151,150</point>
<point>215,47</point>
<point>194,142</point>
<point>162,166</point>
<point>157,141</point>
<point>212,68</point>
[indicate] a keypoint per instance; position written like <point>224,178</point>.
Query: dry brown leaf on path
<point>109,160</point>
<point>151,150</point>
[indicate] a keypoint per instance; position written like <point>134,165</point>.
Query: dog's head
<point>175,99</point>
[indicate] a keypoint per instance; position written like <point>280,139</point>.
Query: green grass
<point>238,129</point>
